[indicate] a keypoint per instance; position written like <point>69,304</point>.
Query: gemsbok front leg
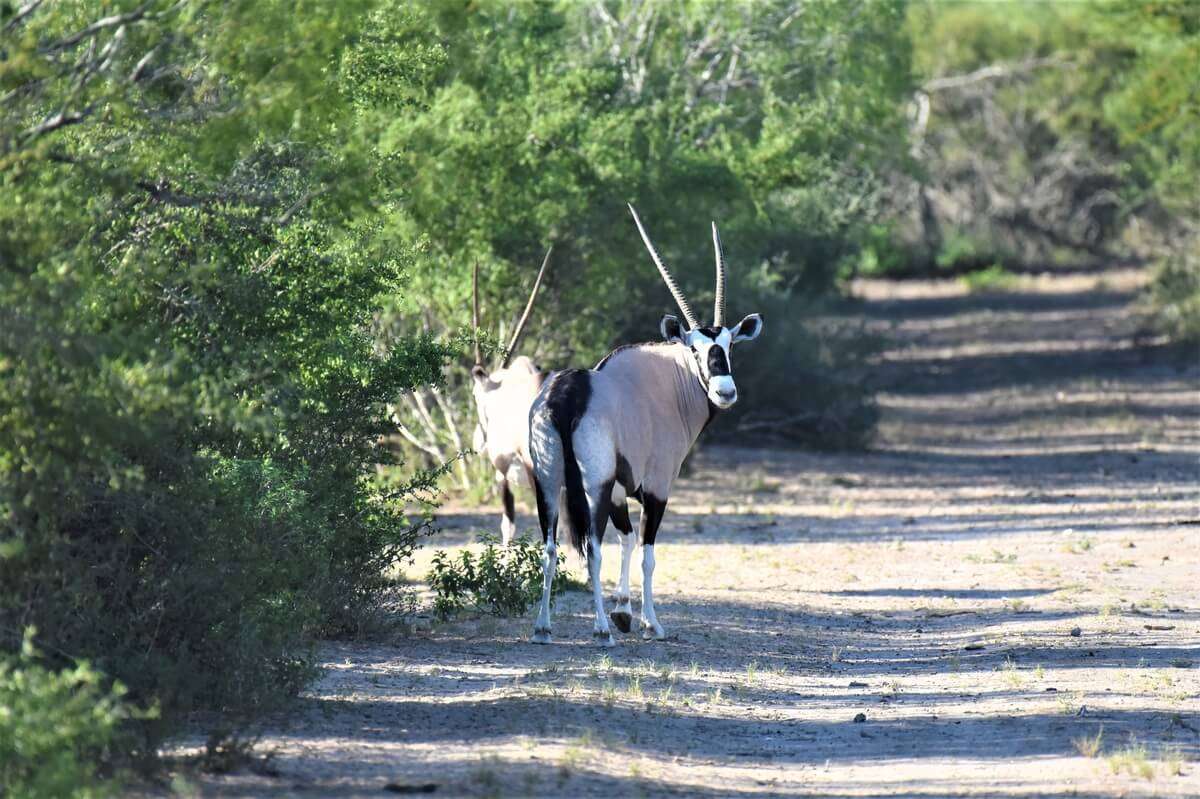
<point>653,509</point>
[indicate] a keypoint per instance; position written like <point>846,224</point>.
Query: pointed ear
<point>749,328</point>
<point>671,329</point>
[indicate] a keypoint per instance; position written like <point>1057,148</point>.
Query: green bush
<point>193,394</point>
<point>1175,293</point>
<point>54,727</point>
<point>500,581</point>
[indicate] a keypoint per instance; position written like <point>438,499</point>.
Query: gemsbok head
<point>622,430</point>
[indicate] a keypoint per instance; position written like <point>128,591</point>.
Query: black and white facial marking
<point>711,347</point>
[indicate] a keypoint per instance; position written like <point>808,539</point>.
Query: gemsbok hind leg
<point>622,614</point>
<point>652,514</point>
<point>547,507</point>
<point>599,502</point>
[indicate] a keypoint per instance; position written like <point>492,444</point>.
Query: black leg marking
<point>653,509</point>
<point>510,511</point>
<point>604,508</point>
<point>620,518</point>
<point>625,478</point>
<point>547,524</point>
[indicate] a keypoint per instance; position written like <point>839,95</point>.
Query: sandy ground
<point>1004,591</point>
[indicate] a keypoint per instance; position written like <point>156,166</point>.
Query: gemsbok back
<point>622,430</point>
<point>502,400</point>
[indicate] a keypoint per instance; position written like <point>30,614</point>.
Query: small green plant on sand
<point>993,278</point>
<point>500,581</point>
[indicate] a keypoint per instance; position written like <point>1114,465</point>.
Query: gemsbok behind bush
<point>502,399</point>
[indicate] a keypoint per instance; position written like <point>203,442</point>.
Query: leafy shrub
<point>54,727</point>
<point>192,394</point>
<point>501,581</point>
<point>1176,296</point>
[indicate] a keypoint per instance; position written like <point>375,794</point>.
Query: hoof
<point>603,639</point>
<point>623,620</point>
<point>651,634</point>
<point>541,636</point>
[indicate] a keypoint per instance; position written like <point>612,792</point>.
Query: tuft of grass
<point>608,694</point>
<point>760,484</point>
<point>486,775</point>
<point>715,698</point>
<point>835,654</point>
<point>1173,761</point>
<point>751,672</point>
<point>602,664</point>
<point>1089,746</point>
<point>1079,545</point>
<point>1011,675</point>
<point>1133,759</point>
<point>992,279</point>
<point>997,556</point>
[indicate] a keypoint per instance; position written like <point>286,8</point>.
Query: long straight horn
<point>680,300</point>
<point>719,302</point>
<point>520,328</point>
<point>475,312</point>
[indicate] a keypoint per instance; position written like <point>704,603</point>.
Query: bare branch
<point>23,12</point>
<point>60,120</point>
<point>993,72</point>
<point>99,25</point>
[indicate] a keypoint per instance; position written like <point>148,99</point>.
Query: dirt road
<point>1004,592</point>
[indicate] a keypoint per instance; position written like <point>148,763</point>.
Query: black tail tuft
<point>567,400</point>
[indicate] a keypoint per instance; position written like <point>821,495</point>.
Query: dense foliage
<point>192,396</point>
<point>775,119</point>
<point>1052,134</point>
<point>55,726</point>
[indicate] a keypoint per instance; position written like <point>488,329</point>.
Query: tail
<point>566,400</point>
